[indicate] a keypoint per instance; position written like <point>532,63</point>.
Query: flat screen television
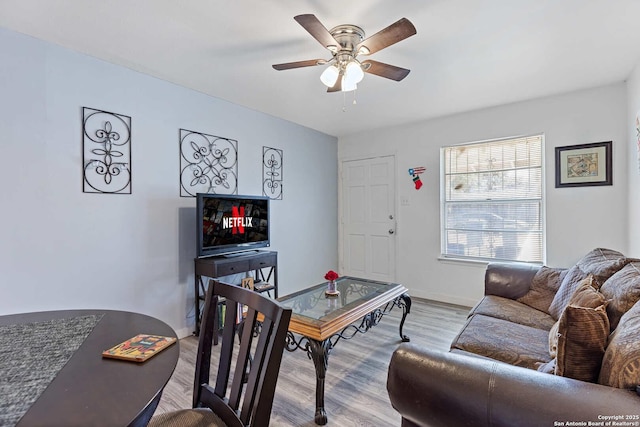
<point>231,223</point>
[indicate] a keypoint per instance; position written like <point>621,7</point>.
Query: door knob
<point>391,231</point>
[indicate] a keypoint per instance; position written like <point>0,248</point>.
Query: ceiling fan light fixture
<point>353,73</point>
<point>346,42</point>
<point>329,76</point>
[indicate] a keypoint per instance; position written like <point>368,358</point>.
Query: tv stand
<point>234,263</point>
<point>241,253</point>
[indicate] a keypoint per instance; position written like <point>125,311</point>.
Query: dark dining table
<point>85,389</point>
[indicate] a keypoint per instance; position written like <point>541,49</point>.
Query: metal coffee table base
<point>318,351</point>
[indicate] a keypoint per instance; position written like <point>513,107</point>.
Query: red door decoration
<point>415,176</point>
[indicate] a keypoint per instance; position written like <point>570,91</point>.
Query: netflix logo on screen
<point>237,221</point>
<point>229,223</point>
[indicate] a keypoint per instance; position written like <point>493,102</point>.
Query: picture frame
<point>584,165</point>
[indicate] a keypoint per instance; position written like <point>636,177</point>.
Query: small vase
<point>331,288</point>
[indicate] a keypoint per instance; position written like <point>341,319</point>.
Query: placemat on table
<point>31,355</point>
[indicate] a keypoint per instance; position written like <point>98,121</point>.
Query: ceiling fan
<point>346,42</point>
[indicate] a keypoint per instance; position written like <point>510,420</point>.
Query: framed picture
<point>584,165</point>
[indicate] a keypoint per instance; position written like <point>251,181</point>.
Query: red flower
<point>331,275</point>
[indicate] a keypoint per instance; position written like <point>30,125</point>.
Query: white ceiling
<point>467,54</point>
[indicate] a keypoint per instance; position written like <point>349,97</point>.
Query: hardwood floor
<point>355,386</point>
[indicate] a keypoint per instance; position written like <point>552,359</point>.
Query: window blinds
<point>492,200</point>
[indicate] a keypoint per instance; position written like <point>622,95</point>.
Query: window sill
<point>454,260</point>
<point>480,262</point>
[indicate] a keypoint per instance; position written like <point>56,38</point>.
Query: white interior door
<point>368,218</point>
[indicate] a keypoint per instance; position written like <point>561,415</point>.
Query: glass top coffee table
<point>321,321</point>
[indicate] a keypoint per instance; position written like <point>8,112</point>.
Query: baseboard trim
<point>184,332</point>
<point>449,299</point>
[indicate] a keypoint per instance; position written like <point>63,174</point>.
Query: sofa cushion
<point>553,339</point>
<point>499,339</point>
<point>569,284</point>
<point>621,362</point>
<point>602,263</point>
<point>586,296</point>
<point>623,291</point>
<point>582,339</point>
<point>514,311</point>
<point>544,287</point>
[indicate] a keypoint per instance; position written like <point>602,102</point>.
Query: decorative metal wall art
<point>208,164</point>
<point>272,173</point>
<point>106,146</point>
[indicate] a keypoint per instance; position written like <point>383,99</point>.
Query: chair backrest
<point>248,401</point>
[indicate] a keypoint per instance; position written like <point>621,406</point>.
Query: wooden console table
<point>226,265</point>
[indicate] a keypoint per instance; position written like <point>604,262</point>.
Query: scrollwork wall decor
<point>208,164</point>
<point>272,173</point>
<point>106,146</point>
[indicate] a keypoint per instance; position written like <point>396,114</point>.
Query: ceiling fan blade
<point>299,64</point>
<point>398,31</point>
<point>338,86</point>
<point>319,32</point>
<point>384,70</point>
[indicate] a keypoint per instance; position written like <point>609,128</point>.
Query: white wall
<point>633,159</point>
<point>62,248</point>
<point>578,219</point>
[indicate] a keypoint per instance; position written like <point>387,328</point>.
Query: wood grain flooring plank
<point>355,384</point>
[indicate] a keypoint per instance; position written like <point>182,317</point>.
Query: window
<point>492,200</point>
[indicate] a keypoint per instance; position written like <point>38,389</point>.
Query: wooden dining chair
<point>248,400</point>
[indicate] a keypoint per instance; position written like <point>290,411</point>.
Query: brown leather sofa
<point>490,377</point>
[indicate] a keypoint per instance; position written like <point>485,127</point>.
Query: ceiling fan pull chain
<point>344,102</point>
<point>354,97</point>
